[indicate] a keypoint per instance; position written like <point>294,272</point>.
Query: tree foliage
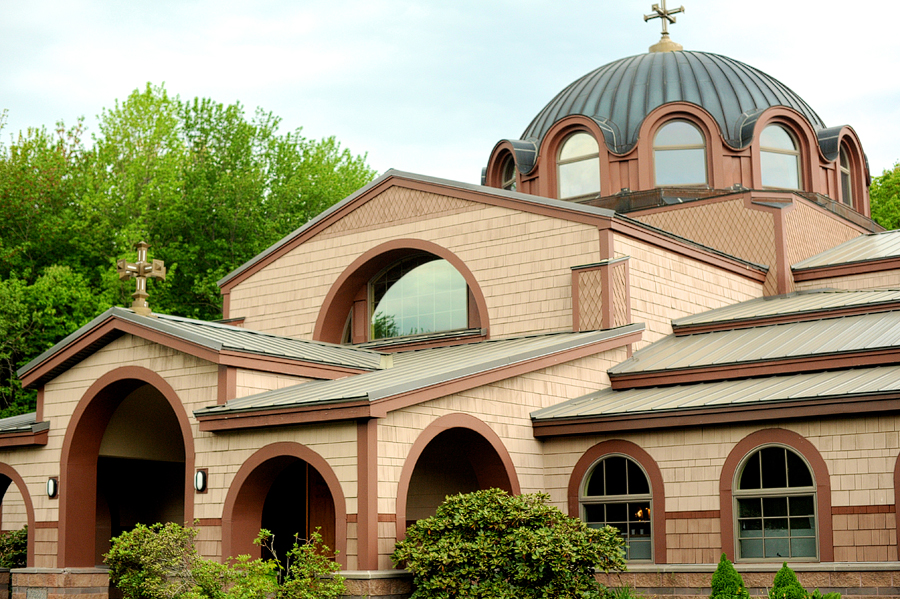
<point>206,185</point>
<point>162,562</point>
<point>727,582</point>
<point>491,544</point>
<point>14,548</point>
<point>884,198</point>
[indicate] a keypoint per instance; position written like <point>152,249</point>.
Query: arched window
<point>679,154</point>
<point>508,174</point>
<point>578,166</point>
<point>779,158</point>
<point>846,178</point>
<point>616,492</point>
<point>418,294</point>
<point>775,504</point>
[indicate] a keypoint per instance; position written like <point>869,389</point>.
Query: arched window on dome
<point>846,177</point>
<point>616,492</point>
<point>679,154</point>
<point>578,166</point>
<point>508,174</point>
<point>775,506</point>
<point>416,295</point>
<point>779,158</point>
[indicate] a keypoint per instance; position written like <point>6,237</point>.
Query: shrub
<point>14,548</point>
<point>727,582</point>
<point>786,585</point>
<point>491,544</point>
<point>161,562</point>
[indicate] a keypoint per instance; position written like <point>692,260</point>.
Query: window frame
<point>508,173</point>
<point>775,492</point>
<point>585,500</point>
<point>845,171</point>
<point>674,148</point>
<point>560,162</point>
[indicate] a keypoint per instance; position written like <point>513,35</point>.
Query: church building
<point>666,306</point>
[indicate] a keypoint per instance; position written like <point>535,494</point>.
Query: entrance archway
<point>14,494</point>
<point>456,454</point>
<point>289,490</point>
<point>127,458</point>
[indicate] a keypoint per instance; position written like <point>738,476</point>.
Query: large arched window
<point>578,166</point>
<point>616,492</point>
<point>416,295</point>
<point>775,506</point>
<point>779,158</point>
<point>846,177</point>
<point>679,154</point>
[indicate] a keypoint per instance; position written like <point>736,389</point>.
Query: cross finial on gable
<point>141,271</point>
<point>665,44</point>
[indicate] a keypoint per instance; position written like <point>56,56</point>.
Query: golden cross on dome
<point>663,15</point>
<point>141,271</point>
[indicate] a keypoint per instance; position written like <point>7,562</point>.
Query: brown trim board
<point>843,270</point>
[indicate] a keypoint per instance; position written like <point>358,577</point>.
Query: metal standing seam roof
<point>621,94</point>
<point>419,369</point>
<point>775,389</point>
<point>802,302</point>
<point>222,337</point>
<point>865,248</point>
<point>765,343</point>
<point>22,423</point>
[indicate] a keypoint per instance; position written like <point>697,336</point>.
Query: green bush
<point>161,562</point>
<point>727,582</point>
<point>492,545</point>
<point>14,548</point>
<point>786,586</point>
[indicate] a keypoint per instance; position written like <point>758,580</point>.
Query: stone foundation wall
<point>54,583</point>
<point>679,582</point>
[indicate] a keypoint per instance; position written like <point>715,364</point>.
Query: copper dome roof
<point>621,94</point>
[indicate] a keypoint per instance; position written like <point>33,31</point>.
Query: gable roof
<point>572,211</point>
<point>216,342</point>
<point>415,376</point>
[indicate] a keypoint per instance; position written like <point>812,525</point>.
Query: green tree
<point>727,582</point>
<point>884,197</point>
<point>493,545</point>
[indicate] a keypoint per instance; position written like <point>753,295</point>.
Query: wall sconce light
<point>52,487</point>
<point>200,480</point>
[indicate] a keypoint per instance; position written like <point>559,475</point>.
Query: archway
<point>456,454</point>
<point>16,507</point>
<point>127,458</point>
<point>289,490</point>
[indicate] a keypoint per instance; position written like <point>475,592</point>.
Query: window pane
<point>615,476</point>
<point>802,527</point>
<point>803,547</point>
<point>680,167</point>
<point>594,513</point>
<point>780,170</point>
<point>750,529</point>
<point>778,548</point>
<point>579,178</point>
<point>678,133</point>
<point>580,144</point>
<point>751,548</point>
<point>774,506</point>
<point>776,138</point>
<point>413,298</point>
<point>750,475</point>
<point>774,468</point>
<point>594,486</point>
<point>776,527</point>
<point>750,508</point>
<point>637,482</point>
<point>798,471</point>
<point>638,549</point>
<point>846,193</point>
<point>616,512</point>
<point>802,506</point>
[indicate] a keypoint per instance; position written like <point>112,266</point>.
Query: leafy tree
<point>14,548</point>
<point>727,582</point>
<point>491,544</point>
<point>884,196</point>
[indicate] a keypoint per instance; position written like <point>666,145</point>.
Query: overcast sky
<point>427,86</point>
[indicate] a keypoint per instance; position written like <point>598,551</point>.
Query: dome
<point>621,94</point>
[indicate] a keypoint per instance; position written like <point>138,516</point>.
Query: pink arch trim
<point>440,425</point>
<point>339,300</point>
<point>81,446</point>
<point>232,507</point>
<point>10,472</point>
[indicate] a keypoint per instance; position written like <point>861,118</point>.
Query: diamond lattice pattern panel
<point>810,232</point>
<point>619,295</point>
<point>727,226</point>
<point>590,300</point>
<point>395,206</point>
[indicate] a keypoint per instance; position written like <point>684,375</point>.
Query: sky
<point>425,86</point>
